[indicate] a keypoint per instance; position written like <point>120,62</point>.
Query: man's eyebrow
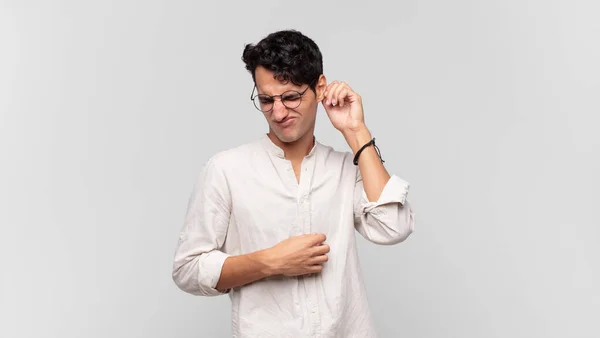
<point>258,90</point>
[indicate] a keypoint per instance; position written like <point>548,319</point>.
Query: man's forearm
<point>244,269</point>
<point>373,173</point>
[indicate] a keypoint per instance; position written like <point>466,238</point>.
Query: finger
<point>329,86</point>
<point>315,268</point>
<point>317,239</point>
<point>330,92</point>
<point>335,97</point>
<point>326,96</point>
<point>325,92</point>
<point>349,95</point>
<point>318,259</point>
<point>320,250</point>
<point>343,96</point>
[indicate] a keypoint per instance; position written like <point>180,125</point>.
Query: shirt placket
<point>304,207</point>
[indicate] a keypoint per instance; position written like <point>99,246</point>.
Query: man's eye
<point>265,100</point>
<point>292,97</point>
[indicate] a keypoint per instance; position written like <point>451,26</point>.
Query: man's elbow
<point>400,229</point>
<point>193,282</point>
<point>402,235</point>
<point>405,224</point>
<point>393,237</point>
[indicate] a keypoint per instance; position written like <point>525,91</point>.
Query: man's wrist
<point>265,262</point>
<point>357,138</point>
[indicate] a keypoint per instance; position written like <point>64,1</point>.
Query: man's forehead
<point>272,86</point>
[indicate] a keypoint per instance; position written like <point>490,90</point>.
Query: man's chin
<point>287,137</point>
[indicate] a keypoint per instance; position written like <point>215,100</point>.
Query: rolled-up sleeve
<point>390,219</point>
<point>198,259</point>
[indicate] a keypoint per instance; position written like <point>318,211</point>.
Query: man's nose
<point>280,111</point>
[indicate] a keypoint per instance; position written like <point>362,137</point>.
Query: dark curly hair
<point>289,54</point>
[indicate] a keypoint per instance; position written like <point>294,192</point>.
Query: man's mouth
<point>287,122</point>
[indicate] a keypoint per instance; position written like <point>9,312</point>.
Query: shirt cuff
<point>395,191</point>
<point>211,268</point>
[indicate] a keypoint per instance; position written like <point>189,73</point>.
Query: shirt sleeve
<point>390,219</point>
<point>198,259</point>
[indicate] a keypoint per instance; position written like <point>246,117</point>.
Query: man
<point>272,223</point>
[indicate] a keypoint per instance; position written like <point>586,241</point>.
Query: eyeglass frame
<point>252,96</point>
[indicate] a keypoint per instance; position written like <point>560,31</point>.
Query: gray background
<point>108,110</point>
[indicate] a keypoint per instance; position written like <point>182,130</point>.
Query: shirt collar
<point>277,151</point>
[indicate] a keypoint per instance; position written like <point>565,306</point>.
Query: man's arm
<point>294,256</point>
<point>382,213</point>
<point>198,260</point>
<point>244,269</point>
<point>345,111</point>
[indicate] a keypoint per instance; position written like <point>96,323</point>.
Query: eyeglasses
<point>291,99</point>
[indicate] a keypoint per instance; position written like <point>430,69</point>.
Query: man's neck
<point>297,150</point>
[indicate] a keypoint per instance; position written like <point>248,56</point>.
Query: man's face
<point>288,124</point>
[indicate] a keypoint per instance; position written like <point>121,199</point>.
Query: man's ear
<point>320,87</point>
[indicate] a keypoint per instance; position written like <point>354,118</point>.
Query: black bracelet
<point>372,142</point>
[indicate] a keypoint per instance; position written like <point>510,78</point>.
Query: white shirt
<point>248,198</point>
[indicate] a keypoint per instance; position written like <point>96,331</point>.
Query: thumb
<point>318,238</point>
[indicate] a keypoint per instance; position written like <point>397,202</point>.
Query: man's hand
<point>298,255</point>
<point>344,107</point>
